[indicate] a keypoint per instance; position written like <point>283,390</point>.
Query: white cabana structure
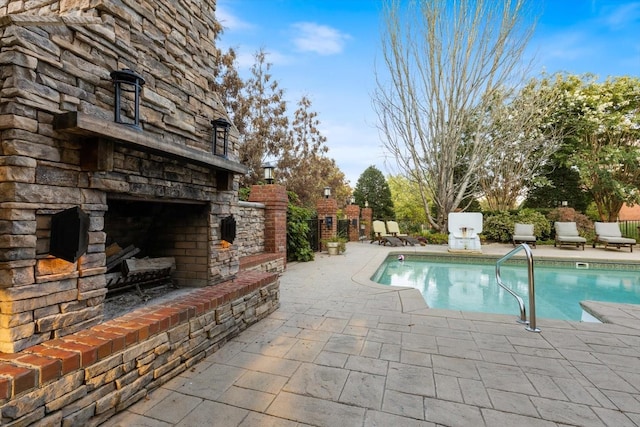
<point>464,228</point>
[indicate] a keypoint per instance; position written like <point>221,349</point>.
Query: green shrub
<point>498,226</point>
<point>298,246</point>
<point>436,238</point>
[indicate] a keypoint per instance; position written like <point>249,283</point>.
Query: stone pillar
<point>353,215</point>
<point>275,199</point>
<point>366,218</point>
<point>327,213</point>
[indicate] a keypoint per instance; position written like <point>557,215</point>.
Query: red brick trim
<point>35,366</point>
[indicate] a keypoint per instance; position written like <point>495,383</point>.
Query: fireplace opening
<point>153,248</point>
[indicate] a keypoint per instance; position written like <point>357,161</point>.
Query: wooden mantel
<point>90,126</point>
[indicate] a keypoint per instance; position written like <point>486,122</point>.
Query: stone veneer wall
<point>85,378</point>
<point>55,58</point>
<point>250,229</point>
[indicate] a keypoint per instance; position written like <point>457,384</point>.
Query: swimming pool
<point>471,285</point>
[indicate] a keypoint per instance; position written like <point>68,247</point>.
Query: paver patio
<point>344,351</point>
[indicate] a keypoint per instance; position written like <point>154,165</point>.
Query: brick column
<point>274,197</point>
<point>366,218</point>
<point>327,208</point>
<point>353,215</point>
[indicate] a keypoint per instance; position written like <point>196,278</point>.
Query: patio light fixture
<point>221,125</point>
<point>127,80</point>
<point>327,192</point>
<point>268,172</point>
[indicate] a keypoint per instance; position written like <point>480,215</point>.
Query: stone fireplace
<point>160,185</point>
<point>85,169</point>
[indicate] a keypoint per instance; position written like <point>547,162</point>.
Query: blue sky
<point>327,49</point>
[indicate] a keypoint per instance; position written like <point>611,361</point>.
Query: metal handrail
<point>532,300</point>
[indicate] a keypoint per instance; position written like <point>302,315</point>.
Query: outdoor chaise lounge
<point>609,233</point>
<point>394,229</point>
<point>523,233</point>
<point>567,234</point>
<point>464,228</point>
<point>381,236</point>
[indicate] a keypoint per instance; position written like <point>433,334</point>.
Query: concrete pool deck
<point>344,351</point>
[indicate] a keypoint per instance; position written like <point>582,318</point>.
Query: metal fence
<point>630,229</point>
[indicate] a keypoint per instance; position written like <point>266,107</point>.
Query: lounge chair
<point>523,233</point>
<point>381,236</point>
<point>567,234</point>
<point>609,233</point>
<point>394,229</point>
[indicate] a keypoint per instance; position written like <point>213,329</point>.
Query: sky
<point>328,51</point>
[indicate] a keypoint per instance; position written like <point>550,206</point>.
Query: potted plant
<point>335,244</point>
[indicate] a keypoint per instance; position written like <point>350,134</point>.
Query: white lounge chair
<point>523,233</point>
<point>394,229</point>
<point>381,236</point>
<point>609,233</point>
<point>567,234</point>
<point>464,228</point>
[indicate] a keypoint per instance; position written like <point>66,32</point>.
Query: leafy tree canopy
<point>602,120</point>
<point>374,189</point>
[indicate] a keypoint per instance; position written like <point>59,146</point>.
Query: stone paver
<point>344,351</point>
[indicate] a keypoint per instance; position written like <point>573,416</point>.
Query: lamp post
<point>352,199</point>
<point>268,172</point>
<point>327,192</point>
<point>223,125</point>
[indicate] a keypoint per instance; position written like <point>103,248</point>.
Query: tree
<point>560,184</point>
<point>603,119</point>
<point>303,166</point>
<point>445,61</point>
<point>521,128</point>
<point>260,116</point>
<point>406,200</point>
<point>374,189</point>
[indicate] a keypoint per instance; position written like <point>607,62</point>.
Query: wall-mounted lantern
<point>127,81</point>
<point>268,172</point>
<point>327,192</point>
<point>328,221</point>
<point>228,229</point>
<point>220,126</point>
<point>69,234</point>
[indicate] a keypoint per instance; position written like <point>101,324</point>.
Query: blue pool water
<point>473,287</point>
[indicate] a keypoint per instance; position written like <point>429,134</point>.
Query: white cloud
<point>320,39</point>
<point>246,57</point>
<point>354,147</point>
<point>623,15</point>
<point>230,21</point>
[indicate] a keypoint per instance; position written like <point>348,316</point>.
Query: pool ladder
<point>531,323</point>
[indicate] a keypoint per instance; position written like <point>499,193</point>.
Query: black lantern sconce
<point>127,81</point>
<point>69,234</point>
<point>268,172</point>
<point>328,221</point>
<point>228,229</point>
<point>220,125</point>
<point>327,192</point>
